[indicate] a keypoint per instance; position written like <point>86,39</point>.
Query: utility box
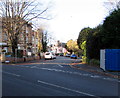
<point>110,59</point>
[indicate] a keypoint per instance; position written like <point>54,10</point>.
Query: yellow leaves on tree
<point>72,45</point>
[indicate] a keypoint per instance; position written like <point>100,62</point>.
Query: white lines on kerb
<point>59,65</point>
<point>76,91</point>
<point>11,74</point>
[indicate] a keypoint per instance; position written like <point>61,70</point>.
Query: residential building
<point>58,48</point>
<point>29,41</point>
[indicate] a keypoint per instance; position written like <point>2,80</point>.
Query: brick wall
<point>12,59</point>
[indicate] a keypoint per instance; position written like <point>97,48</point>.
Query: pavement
<point>95,69</point>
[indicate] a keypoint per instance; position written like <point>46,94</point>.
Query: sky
<point>71,16</point>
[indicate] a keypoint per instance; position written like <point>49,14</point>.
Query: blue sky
<point>73,15</point>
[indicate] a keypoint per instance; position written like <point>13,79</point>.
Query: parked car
<point>54,56</point>
<point>67,55</point>
<point>7,55</point>
<point>48,55</point>
<point>61,54</point>
<point>73,56</point>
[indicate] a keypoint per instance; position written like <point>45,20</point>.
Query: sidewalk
<point>95,69</point>
<point>23,62</point>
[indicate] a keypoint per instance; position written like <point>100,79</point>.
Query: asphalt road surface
<point>54,78</point>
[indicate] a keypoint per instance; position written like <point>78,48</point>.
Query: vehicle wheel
<point>51,58</point>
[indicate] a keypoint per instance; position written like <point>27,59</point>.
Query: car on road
<point>61,54</point>
<point>73,56</point>
<point>48,55</point>
<point>67,55</point>
<point>54,56</point>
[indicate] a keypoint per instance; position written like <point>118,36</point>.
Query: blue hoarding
<point>112,59</point>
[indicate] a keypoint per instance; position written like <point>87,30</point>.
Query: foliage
<point>83,47</point>
<point>20,53</point>
<point>84,58</point>
<point>40,37</point>
<point>8,53</point>
<point>44,41</point>
<point>15,16</point>
<point>3,50</point>
<point>105,36</point>
<point>94,44</point>
<point>111,30</point>
<point>72,46</point>
<point>94,62</point>
<point>83,35</point>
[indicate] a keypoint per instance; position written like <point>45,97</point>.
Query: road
<point>54,78</point>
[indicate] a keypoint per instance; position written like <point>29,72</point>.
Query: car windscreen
<point>47,54</point>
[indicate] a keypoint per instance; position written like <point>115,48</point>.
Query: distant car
<point>54,56</point>
<point>61,54</point>
<point>48,55</point>
<point>73,56</point>
<point>8,56</point>
<point>67,55</point>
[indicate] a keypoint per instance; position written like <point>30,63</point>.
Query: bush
<point>20,53</point>
<point>94,62</point>
<point>3,50</point>
<point>84,58</point>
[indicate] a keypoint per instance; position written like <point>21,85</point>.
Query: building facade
<point>28,41</point>
<point>58,48</point>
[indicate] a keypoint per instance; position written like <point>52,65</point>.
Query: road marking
<point>33,67</point>
<point>67,89</point>
<point>59,65</point>
<point>11,74</point>
<point>76,73</point>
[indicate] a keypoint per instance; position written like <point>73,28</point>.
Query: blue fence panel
<point>112,59</point>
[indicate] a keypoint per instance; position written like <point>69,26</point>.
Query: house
<point>58,48</point>
<point>29,41</point>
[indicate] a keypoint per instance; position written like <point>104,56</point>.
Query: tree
<point>111,30</point>
<point>39,36</point>
<point>44,41</point>
<point>72,46</point>
<point>83,47</point>
<point>111,5</point>
<point>94,44</point>
<point>83,36</point>
<point>17,14</point>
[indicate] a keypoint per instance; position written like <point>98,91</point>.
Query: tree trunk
<point>14,46</point>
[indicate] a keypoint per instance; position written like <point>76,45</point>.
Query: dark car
<point>61,54</point>
<point>73,56</point>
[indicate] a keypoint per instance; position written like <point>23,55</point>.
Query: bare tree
<point>111,5</point>
<point>16,14</point>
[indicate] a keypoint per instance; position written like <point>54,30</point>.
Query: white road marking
<point>94,76</point>
<point>59,65</point>
<point>76,73</point>
<point>67,89</point>
<point>25,66</point>
<point>33,67</point>
<point>11,74</point>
